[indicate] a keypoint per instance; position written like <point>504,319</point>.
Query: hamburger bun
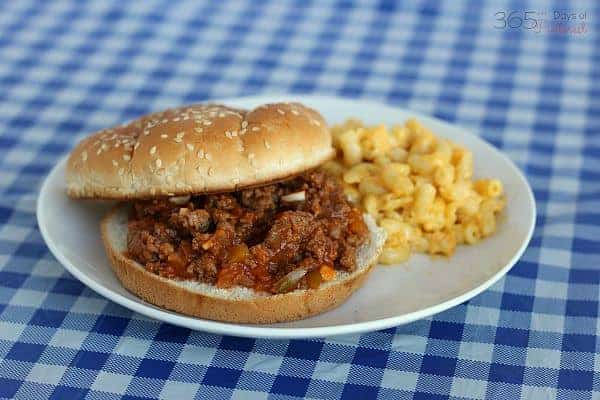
<point>238,304</point>
<point>198,149</point>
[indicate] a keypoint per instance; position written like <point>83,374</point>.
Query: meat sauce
<point>275,238</point>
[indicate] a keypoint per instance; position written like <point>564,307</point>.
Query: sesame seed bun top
<point>198,149</point>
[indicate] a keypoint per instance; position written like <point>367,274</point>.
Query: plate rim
<point>258,331</point>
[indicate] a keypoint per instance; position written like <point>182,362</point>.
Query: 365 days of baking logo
<point>543,21</point>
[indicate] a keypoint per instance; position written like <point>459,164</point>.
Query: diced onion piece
<point>289,282</point>
<point>296,196</point>
<point>237,253</point>
<point>179,200</point>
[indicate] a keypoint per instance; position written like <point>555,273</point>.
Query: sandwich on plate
<point>224,214</point>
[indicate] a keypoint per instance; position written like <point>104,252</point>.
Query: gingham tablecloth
<point>68,68</point>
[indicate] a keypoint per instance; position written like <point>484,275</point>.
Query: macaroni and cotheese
<point>417,186</point>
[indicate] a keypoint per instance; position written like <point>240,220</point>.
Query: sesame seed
<point>228,134</point>
<point>200,153</point>
<point>177,140</point>
<point>315,122</point>
<point>115,163</point>
<point>198,130</point>
<point>84,155</point>
<point>136,145</point>
<point>164,136</point>
<point>186,117</point>
<point>221,115</point>
<point>117,145</point>
<point>207,156</point>
<point>99,151</point>
<point>267,144</point>
<point>255,129</point>
<point>152,149</point>
<point>164,121</point>
<point>190,147</point>
<point>295,112</point>
<point>104,146</point>
<point>211,171</point>
<point>180,134</point>
<point>176,119</point>
<point>146,132</point>
<point>280,111</point>
<point>244,124</point>
<point>234,133</point>
<point>158,163</point>
<point>207,123</point>
<point>126,157</point>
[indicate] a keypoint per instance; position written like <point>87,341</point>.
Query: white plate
<point>393,295</point>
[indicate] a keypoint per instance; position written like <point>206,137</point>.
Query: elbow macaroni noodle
<point>418,187</point>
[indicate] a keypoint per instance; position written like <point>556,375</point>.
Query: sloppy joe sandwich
<point>223,213</point>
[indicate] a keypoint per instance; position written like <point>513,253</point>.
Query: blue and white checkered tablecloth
<point>68,68</point>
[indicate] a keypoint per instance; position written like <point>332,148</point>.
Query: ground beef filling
<point>258,238</point>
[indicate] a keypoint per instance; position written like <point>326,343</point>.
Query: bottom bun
<point>238,304</point>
